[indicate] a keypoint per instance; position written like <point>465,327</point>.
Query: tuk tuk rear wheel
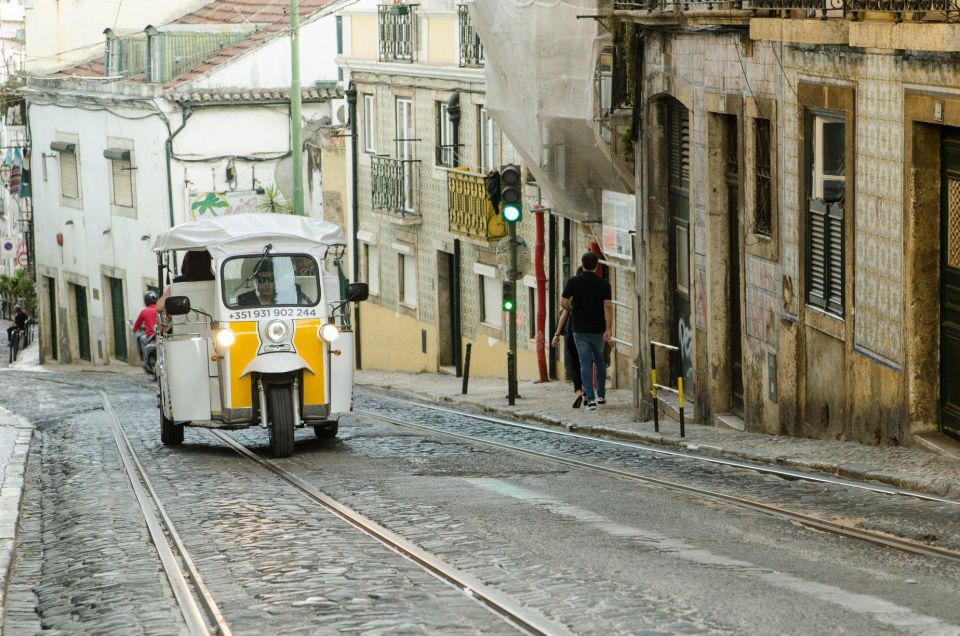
<point>326,430</point>
<point>280,403</point>
<point>170,433</point>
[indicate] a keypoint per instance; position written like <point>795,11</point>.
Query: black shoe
<point>601,400</point>
<point>591,406</point>
<point>578,402</point>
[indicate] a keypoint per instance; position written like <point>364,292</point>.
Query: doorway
<point>51,308</point>
<point>446,315</point>
<point>678,141</point>
<point>118,318</point>
<point>735,334</point>
<point>950,284</point>
<point>82,326</point>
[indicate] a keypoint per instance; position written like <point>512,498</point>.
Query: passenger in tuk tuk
<point>266,291</point>
<point>196,266</point>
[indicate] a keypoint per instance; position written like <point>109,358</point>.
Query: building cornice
<point>429,71</point>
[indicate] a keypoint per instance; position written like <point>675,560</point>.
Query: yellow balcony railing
<point>471,212</point>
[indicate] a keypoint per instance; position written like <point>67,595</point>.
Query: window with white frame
<point>405,147</point>
<point>446,152</point>
<point>121,176</point>
<point>407,280</point>
<point>369,129</point>
<point>371,267</point>
<point>825,250</point>
<point>491,295</point>
<point>69,169</point>
<point>488,138</point>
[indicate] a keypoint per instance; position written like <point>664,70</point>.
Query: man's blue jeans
<point>590,348</point>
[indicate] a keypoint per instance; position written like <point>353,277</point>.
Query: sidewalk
<point>551,403</point>
<point>15,434</point>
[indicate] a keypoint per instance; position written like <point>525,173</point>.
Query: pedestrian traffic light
<point>509,296</point>
<point>511,193</point>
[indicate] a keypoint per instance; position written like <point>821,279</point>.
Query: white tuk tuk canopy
<point>248,233</point>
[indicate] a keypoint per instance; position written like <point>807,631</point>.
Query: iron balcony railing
<point>471,212</point>
<point>398,32</point>
<point>471,50</point>
<point>919,10</point>
<point>395,184</point>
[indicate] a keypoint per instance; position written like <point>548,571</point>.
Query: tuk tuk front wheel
<point>280,403</point>
<point>326,430</point>
<point>170,433</point>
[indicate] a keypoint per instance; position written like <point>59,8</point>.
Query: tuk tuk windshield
<point>272,280</point>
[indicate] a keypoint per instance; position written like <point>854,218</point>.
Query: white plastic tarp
<point>249,233</point>
<point>540,91</point>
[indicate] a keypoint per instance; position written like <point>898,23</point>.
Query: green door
<point>119,319</point>
<point>678,119</point>
<point>83,321</point>
<point>950,287</point>
<point>52,318</point>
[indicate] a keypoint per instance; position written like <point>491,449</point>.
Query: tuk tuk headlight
<point>328,332</point>
<point>276,331</point>
<point>226,337</point>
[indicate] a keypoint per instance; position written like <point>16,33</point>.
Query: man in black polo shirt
<point>588,299</point>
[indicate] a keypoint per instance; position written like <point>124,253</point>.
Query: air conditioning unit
<point>339,112</point>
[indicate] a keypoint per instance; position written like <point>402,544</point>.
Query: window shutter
<point>825,268</point>
<point>69,182</point>
<point>409,280</point>
<point>679,134</point>
<point>373,269</point>
<point>122,183</point>
<point>835,259</point>
<point>492,301</point>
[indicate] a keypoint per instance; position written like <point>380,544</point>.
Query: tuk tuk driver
<point>266,291</point>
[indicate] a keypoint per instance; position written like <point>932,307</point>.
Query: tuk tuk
<point>268,341</point>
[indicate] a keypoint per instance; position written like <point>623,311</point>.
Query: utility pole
<point>296,143</point>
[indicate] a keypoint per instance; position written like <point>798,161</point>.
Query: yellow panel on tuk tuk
<point>241,354</point>
<point>310,348</point>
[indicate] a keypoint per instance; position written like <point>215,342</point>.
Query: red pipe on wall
<point>541,275</point>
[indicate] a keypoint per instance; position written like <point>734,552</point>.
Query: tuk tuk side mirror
<point>357,292</point>
<point>177,305</point>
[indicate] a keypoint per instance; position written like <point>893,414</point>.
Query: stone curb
<point>846,469</point>
<point>11,495</point>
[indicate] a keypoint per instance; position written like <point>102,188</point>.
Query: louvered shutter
<point>409,280</point>
<point>492,301</point>
<point>122,183</point>
<point>679,137</point>
<point>69,182</point>
<point>825,268</point>
<point>373,269</point>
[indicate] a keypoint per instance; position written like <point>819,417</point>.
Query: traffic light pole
<point>512,316</point>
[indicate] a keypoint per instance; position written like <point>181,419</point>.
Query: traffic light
<point>511,193</point>
<point>509,296</point>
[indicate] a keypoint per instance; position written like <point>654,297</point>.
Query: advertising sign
<point>619,220</point>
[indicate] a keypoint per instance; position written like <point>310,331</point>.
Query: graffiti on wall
<point>209,204</point>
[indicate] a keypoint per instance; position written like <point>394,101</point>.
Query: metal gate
<point>679,196</point>
<point>119,319</point>
<point>52,315</point>
<point>83,321</point>
<point>950,286</point>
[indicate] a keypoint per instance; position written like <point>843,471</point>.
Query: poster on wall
<point>619,218</point>
<point>209,204</point>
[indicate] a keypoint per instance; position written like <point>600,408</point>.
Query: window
<point>69,174</point>
<point>277,280</point>
<point>408,280</point>
<point>762,199</point>
<point>489,142</point>
<point>122,178</point>
<point>371,267</point>
<point>446,152</point>
<point>404,142</point>
<point>825,214</point>
<point>369,130</point>
<point>491,300</point>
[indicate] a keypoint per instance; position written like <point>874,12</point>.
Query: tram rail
<point>803,519</point>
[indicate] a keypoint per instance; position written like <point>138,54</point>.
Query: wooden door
<point>950,286</point>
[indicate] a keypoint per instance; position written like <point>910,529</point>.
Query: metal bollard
<point>680,391</point>
<point>653,387</point>
<point>466,369</point>
<point>511,375</point>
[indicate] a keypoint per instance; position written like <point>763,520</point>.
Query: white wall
<point>61,32</point>
<point>268,66</point>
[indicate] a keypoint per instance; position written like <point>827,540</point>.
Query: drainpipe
<point>453,110</point>
<point>351,95</point>
<point>538,213</point>
<point>185,113</point>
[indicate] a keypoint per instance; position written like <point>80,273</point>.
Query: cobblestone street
<point>587,552</point>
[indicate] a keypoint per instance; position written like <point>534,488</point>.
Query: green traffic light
<point>508,304</point>
<point>511,213</point>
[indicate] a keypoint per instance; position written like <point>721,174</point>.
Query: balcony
<point>395,185</point>
<point>471,213</point>
<point>397,25</point>
<point>739,11</point>
<point>471,50</point>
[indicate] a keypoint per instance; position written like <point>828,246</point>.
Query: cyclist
<point>146,319</point>
<point>20,320</point>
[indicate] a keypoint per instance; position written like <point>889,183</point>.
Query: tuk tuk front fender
<point>276,363</point>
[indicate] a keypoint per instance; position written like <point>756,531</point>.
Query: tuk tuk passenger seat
<point>202,295</point>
